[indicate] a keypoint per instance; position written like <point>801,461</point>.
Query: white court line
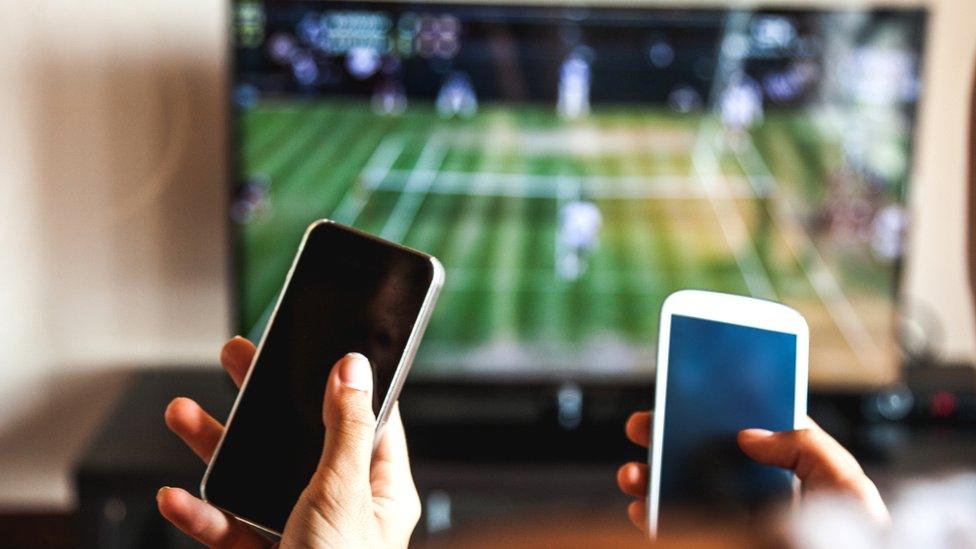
<point>822,279</point>
<point>468,229</point>
<point>414,191</point>
<point>273,161</point>
<point>351,204</point>
<point>381,162</point>
<point>516,185</point>
<point>729,218</point>
<point>469,279</point>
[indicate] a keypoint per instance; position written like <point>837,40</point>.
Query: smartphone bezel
<point>730,309</point>
<point>399,375</point>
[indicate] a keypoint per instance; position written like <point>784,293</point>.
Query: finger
<point>811,453</point>
<point>236,356</point>
<point>637,512</point>
<point>349,422</point>
<point>632,479</point>
<point>818,460</point>
<point>638,428</point>
<point>196,427</point>
<point>205,523</point>
<point>390,478</point>
<point>391,454</point>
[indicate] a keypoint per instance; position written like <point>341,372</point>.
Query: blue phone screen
<point>723,378</point>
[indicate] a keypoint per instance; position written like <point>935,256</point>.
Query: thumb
<point>815,457</point>
<point>349,421</point>
<point>820,462</point>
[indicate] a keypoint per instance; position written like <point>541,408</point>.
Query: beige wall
<point>936,268</point>
<point>111,218</point>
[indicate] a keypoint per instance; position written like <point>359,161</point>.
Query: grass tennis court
<point>679,210</point>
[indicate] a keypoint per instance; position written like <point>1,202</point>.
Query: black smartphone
<point>347,291</point>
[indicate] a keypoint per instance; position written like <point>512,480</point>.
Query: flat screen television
<point>572,165</point>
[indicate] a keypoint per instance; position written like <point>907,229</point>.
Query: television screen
<point>571,166</point>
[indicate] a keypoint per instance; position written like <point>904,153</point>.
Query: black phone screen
<point>722,378</point>
<point>348,292</point>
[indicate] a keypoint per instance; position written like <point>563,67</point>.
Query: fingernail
<point>759,432</point>
<point>159,493</point>
<point>355,373</point>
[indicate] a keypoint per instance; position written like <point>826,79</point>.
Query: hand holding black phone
<point>347,292</point>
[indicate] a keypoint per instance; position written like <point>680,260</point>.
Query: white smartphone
<point>725,363</point>
<point>346,291</point>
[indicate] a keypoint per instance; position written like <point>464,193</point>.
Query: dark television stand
<point>482,453</point>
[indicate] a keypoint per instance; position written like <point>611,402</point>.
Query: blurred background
<point>160,160</point>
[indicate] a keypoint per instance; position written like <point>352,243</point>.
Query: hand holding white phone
<point>725,363</point>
